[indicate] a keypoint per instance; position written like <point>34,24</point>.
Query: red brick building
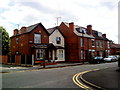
<point>67,42</point>
<point>114,48</point>
<point>83,43</point>
<point>32,40</point>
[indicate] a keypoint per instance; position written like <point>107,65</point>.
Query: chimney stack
<point>23,30</point>
<point>71,26</point>
<point>16,31</point>
<point>89,29</point>
<point>104,35</point>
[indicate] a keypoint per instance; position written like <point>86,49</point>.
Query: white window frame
<point>41,54</point>
<point>16,40</point>
<point>97,43</point>
<point>101,44</point>
<point>37,38</point>
<point>81,42</point>
<point>82,54</point>
<point>108,44</point>
<point>93,42</point>
<point>58,39</point>
<point>60,53</point>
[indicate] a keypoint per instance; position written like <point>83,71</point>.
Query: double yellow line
<point>77,82</point>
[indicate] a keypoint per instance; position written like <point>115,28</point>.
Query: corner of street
<point>108,78</point>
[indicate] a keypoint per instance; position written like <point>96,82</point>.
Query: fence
<point>17,59</point>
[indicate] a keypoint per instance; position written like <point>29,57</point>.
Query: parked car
<point>110,59</point>
<point>98,59</point>
<point>117,56</point>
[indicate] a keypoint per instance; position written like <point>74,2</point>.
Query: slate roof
<point>86,34</point>
<point>30,28</point>
<point>95,34</point>
<point>80,33</point>
<point>51,30</point>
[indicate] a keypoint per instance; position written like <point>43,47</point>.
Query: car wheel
<point>98,62</point>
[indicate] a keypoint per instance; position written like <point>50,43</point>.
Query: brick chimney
<point>15,31</point>
<point>71,26</point>
<point>104,35</point>
<point>89,29</point>
<point>23,30</point>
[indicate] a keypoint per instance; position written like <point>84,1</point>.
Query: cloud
<point>100,13</point>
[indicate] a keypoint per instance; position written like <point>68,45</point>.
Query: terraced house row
<point>67,42</point>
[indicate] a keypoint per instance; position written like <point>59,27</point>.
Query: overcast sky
<point>101,14</point>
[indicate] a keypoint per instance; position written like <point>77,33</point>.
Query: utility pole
<point>18,26</point>
<point>57,19</point>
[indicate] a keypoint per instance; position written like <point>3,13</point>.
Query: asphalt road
<point>49,78</point>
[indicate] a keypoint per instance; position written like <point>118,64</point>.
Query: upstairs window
<point>82,30</point>
<point>58,40</point>
<point>37,38</point>
<point>81,42</point>
<point>101,44</point>
<point>99,34</point>
<point>16,40</point>
<point>93,42</point>
<point>97,43</point>
<point>108,44</point>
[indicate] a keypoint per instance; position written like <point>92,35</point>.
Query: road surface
<point>49,78</point>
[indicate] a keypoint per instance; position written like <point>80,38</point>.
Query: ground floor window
<point>108,52</point>
<point>60,54</point>
<point>82,54</point>
<point>40,54</point>
<point>101,53</point>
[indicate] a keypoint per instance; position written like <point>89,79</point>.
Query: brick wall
<point>3,59</point>
<point>24,46</point>
<point>18,59</point>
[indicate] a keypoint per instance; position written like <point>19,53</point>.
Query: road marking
<point>77,82</point>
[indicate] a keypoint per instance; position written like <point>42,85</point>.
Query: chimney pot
<point>71,26</point>
<point>104,35</point>
<point>16,31</point>
<point>23,30</point>
<point>89,29</point>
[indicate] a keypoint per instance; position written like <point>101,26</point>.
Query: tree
<point>5,41</point>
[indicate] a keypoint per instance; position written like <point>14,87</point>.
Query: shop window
<point>40,54</point>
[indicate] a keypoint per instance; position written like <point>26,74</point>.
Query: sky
<point>101,14</point>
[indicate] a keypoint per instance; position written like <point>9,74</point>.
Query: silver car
<point>110,59</point>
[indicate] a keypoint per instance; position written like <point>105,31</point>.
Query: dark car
<point>98,59</point>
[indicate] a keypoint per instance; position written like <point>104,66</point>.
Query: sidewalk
<point>13,68</point>
<point>107,78</point>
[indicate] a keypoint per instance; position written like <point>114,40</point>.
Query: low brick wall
<point>15,60</point>
<point>3,59</point>
<point>18,59</point>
